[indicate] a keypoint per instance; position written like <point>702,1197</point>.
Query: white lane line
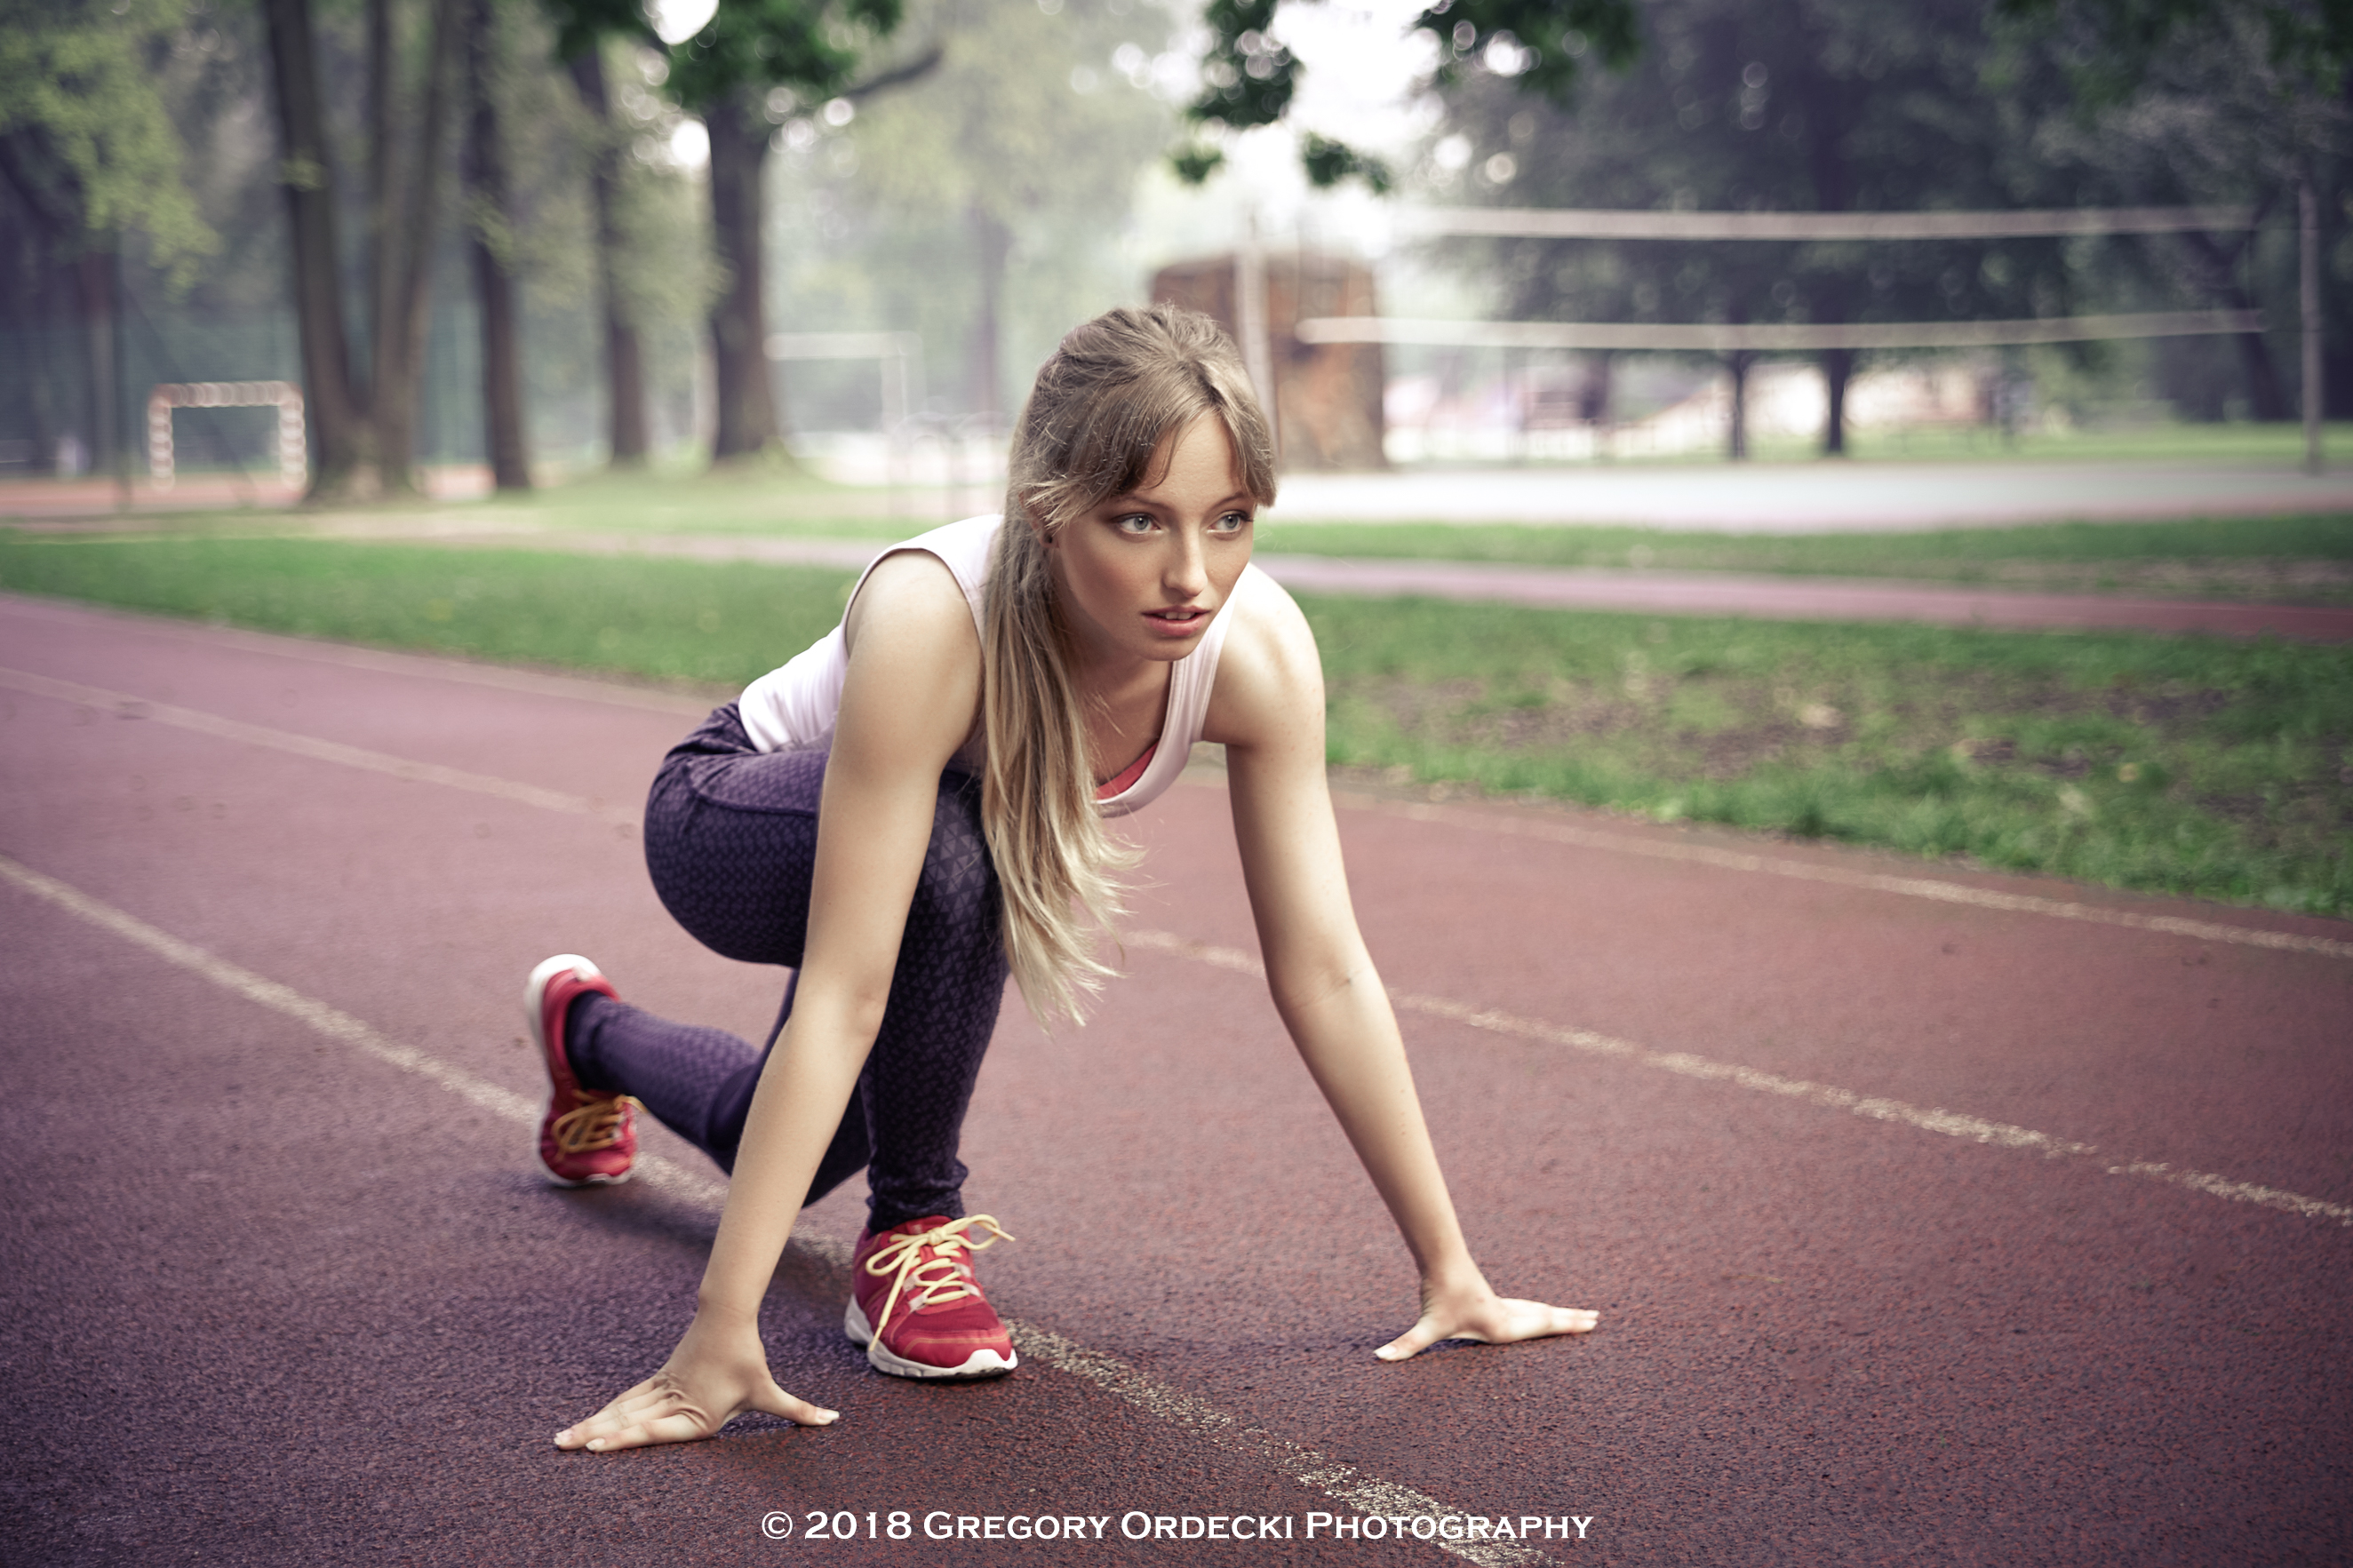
<point>1316,1472</point>
<point>310,746</point>
<point>1951,1124</point>
<point>1805,872</point>
<point>380,661</point>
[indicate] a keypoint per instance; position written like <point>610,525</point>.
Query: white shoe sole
<point>980,1363</point>
<point>534,999</point>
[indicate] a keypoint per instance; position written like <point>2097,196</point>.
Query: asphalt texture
<point>1931,1216</point>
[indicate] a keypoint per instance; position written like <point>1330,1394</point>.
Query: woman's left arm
<point>1268,708</point>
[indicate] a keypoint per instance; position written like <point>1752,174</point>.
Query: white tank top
<point>794,708</point>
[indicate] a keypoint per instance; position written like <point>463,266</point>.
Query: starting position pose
<point>914,806</point>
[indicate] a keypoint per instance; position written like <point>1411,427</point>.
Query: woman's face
<point>1140,575</point>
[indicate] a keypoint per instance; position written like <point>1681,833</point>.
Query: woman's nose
<point>1186,570</point>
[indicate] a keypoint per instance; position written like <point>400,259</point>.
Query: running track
<point>1933,1217</point>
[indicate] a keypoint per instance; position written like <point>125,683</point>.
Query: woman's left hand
<point>1479,1314</point>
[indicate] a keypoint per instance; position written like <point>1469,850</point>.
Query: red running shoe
<point>915,1280</point>
<point>584,1139</point>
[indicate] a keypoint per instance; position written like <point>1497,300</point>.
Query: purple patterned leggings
<point>730,839</point>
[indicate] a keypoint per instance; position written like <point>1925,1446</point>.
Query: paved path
<point>1867,496</point>
<point>1819,497</point>
<point>1932,1216</point>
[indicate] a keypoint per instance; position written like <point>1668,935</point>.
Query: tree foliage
<point>87,134</point>
<point>1249,76</point>
<point>941,211</point>
<point>2119,43</point>
<point>1774,105</point>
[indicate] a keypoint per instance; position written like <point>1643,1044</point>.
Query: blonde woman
<point>913,807</point>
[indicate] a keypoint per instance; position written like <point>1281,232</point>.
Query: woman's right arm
<point>907,705</point>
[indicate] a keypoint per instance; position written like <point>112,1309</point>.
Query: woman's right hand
<point>718,1372</point>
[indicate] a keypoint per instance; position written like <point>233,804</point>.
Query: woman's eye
<point>1232,522</point>
<point>1133,523</point>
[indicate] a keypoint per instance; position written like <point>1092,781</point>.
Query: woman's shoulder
<point>907,591</point>
<point>1270,677</point>
<point>929,574</point>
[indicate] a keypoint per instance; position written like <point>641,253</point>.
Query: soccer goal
<point>293,459</point>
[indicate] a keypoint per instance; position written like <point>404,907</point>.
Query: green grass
<point>754,498</point>
<point>2308,559</point>
<point>2188,765</point>
<point>677,621</point>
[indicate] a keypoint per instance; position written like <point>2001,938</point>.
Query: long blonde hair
<point>1096,425</point>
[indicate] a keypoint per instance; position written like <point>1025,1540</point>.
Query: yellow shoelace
<point>591,1125</point>
<point>903,1256</point>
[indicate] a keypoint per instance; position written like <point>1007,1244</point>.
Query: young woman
<point>914,806</point>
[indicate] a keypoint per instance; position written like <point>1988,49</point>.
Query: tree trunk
<point>623,363</point>
<point>2266,397</point>
<point>1737,362</point>
<point>492,235</point>
<point>1838,369</point>
<point>739,322</point>
<point>100,273</point>
<point>384,190</point>
<point>992,244</point>
<point>1593,393</point>
<point>340,439</point>
<point>400,355</point>
<point>1826,119</point>
<point>2217,269</point>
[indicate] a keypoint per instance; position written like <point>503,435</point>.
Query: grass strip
<point>673,621</point>
<point>2302,558</point>
<point>2174,765</point>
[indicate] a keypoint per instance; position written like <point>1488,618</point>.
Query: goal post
<point>293,457</point>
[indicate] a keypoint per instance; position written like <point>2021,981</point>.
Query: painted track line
<point>310,746</point>
<point>1951,1124</point>
<point>1316,1472</point>
<point>1838,876</point>
<point>611,692</point>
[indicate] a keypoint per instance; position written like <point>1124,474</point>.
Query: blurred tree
<point>1249,76</point>
<point>2179,102</point>
<point>364,431</point>
<point>2118,45</point>
<point>491,237</point>
<point>1785,105</point>
<point>809,51</point>
<point>1029,203</point>
<point>88,153</point>
<point>624,375</point>
<point>84,134</point>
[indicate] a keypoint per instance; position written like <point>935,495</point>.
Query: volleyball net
<point>1738,338</point>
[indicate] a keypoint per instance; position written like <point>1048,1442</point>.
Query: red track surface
<point>272,1298</point>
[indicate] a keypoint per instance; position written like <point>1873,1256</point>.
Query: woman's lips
<point>1178,622</point>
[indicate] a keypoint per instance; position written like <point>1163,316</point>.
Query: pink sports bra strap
<point>1119,783</point>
